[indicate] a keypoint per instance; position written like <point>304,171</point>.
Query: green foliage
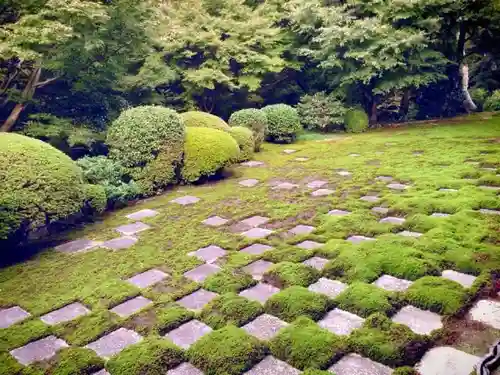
<point>285,274</point>
<point>356,121</point>
<point>22,333</point>
<point>95,198</point>
<point>229,281</point>
<point>303,344</point>
<point>253,119</point>
<point>206,151</point>
<point>283,123</point>
<point>321,112</point>
<point>231,309</point>
<point>227,351</point>
<point>316,372</point>
<point>171,317</point>
<point>479,96</point>
<point>405,370</point>
<point>364,299</point>
<point>70,361</point>
<point>244,137</point>
<point>198,119</point>
<point>492,103</point>
<point>293,254</point>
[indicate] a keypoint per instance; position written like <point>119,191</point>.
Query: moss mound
<point>283,123</point>
<point>228,281</point>
<point>244,137</point>
<point>253,119</point>
<point>364,299</point>
<point>285,274</point>
<point>356,121</point>
<point>199,119</point>
<point>230,309</point>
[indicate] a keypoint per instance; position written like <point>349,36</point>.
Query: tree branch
<point>47,81</point>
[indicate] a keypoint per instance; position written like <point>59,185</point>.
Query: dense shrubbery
<point>283,123</point>
<point>253,119</point>
<point>492,103</point>
<point>356,121</point>
<point>203,120</point>
<point>244,138</point>
<point>321,112</point>
<point>479,96</point>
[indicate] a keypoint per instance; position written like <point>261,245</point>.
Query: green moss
<point>303,344</point>
<point>159,319</point>
<point>244,137</point>
<point>199,119</point>
<point>253,119</point>
<point>108,293</point>
<point>20,334</point>
<point>316,372</point>
<point>287,254</point>
<point>70,361</point>
<point>285,274</point>
<point>230,309</point>
<point>9,366</point>
<point>153,356</point>
<point>405,370</point>
<point>356,121</point>
<point>229,281</point>
<point>227,351</point>
<point>293,302</point>
<point>283,123</point>
<point>364,299</point>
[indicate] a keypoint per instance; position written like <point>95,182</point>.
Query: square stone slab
<point>253,163</point>
<point>448,190</point>
<point>256,249</point>
<point>301,159</point>
<point>341,322</point>
<point>65,314</point>
<point>285,186</point>
<point>39,350</point>
<point>487,312</point>
<point>380,210</point>
<point>250,182</point>
<point>354,364</point>
<point>344,173</point>
<point>101,372</point>
<point>185,369</point>
<point>309,245</point>
<point>76,246</point>
<point>131,229</point>
<point>208,254</point>
<point>257,268</point>
<point>188,333</point>
<point>142,214</point>
<point>12,315</point>
<point>265,327</point>
<point>440,214</point>
<point>215,221</point>
<point>131,306</point>
<point>354,155</point>
<point>322,192</point>
<point>147,278</point>
<point>422,322</point>
<point>197,300</point>
<point>338,212</point>
<point>358,239</point>
<point>330,288</point>
<point>255,233</point>
<point>392,284</point>
<point>272,366</point>
<point>444,360</point>
<point>114,342</point>
<point>302,229</point>
<point>488,187</point>
<point>370,198</point>
<point>120,243</point>
<point>288,151</point>
<point>316,262</point>
<point>384,178</point>
<point>200,273</point>
<point>255,221</point>
<point>397,186</point>
<point>488,211</point>
<point>260,292</point>
<point>407,233</point>
<point>393,220</point>
<point>462,278</point>
<point>185,200</point>
<point>316,184</point>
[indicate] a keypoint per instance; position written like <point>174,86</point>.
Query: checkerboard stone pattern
<point>131,229</point>
<point>142,214</point>
<point>316,262</point>
<point>131,306</point>
<point>254,221</point>
<point>309,245</point>
<point>354,364</point>
<point>463,279</point>
<point>256,249</point>
<point>185,369</point>
<point>487,312</point>
<point>392,284</point>
<point>77,246</point>
<point>209,254</point>
<point>256,233</point>
<point>422,322</point>
<point>120,243</point>
<point>12,315</point>
<point>200,273</point>
<point>188,333</point>
<point>114,342</point>
<point>260,292</point>
<point>249,182</point>
<point>257,268</point>
<point>301,229</point>
<point>39,350</point>
<point>265,327</point>
<point>215,221</point>
<point>65,314</point>
<point>272,366</point>
<point>197,300</point>
<point>341,322</point>
<point>186,200</point>
<point>330,288</point>
<point>147,278</point>
<point>444,360</point>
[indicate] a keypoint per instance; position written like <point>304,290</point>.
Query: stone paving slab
<point>330,288</point>
<point>384,178</point>
<point>407,233</point>
<point>309,245</point>
<point>208,254</point>
<point>131,229</point>
<point>322,192</point>
<point>142,214</point>
<point>370,198</point>
<point>285,186</point>
<point>186,200</point>
<point>101,372</point>
<point>256,249</point>
<point>249,182</point>
<point>200,273</point>
<point>393,220</point>
<point>120,243</point>
<point>272,366</point>
<point>185,368</point>
<point>131,306</point>
<point>397,186</point>
<point>354,364</point>
<point>301,159</point>
<point>258,268</point>
<point>77,246</point>
<point>488,187</point>
<point>448,190</point>
<point>255,221</point>
<point>289,151</point>
<point>341,322</point>
<point>446,360</point>
<point>253,163</point>
<point>256,233</point>
<point>197,300</point>
<point>354,155</point>
<point>264,327</point>
<point>422,322</point>
<point>392,284</point>
<point>316,262</point>
<point>114,342</point>
<point>215,221</point>
<point>302,229</point>
<point>344,173</point>
<point>316,184</point>
<point>39,350</point>
<point>12,315</point>
<point>359,239</point>
<point>260,292</point>
<point>462,278</point>
<point>147,278</point>
<point>488,211</point>
<point>440,214</point>
<point>380,210</point>
<point>487,312</point>
<point>188,333</point>
<point>65,314</point>
<point>338,212</point>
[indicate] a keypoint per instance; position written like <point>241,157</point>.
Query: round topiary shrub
<point>356,121</point>
<point>244,138</point>
<point>283,123</point>
<point>253,119</point>
<point>149,140</point>
<point>204,120</point>
<point>206,151</point>
<point>40,185</point>
<point>321,112</point>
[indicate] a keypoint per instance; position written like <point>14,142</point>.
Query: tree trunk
<point>373,112</point>
<point>468,102</point>
<point>405,105</point>
<point>11,120</point>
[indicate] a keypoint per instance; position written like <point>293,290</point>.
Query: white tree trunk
<point>468,102</point>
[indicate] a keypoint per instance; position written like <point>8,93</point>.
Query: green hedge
<point>198,119</point>
<point>244,138</point>
<point>492,103</point>
<point>253,119</point>
<point>356,121</point>
<point>283,123</point>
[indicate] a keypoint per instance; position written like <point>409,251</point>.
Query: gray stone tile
<point>462,278</point>
<point>208,254</point>
<point>101,372</point>
<point>448,190</point>
<point>487,187</point>
<point>65,314</point>
<point>302,229</point>
<point>316,262</point>
<point>407,233</point>
<point>354,364</point>
<point>316,184</point>
<point>114,342</point>
<point>77,246</point>
<point>257,268</point>
<point>142,214</point>
<point>285,186</point>
<point>188,333</point>
<point>489,169</point>
<point>147,278</point>
<point>255,221</point>
<point>380,210</point>
<point>186,200</point>
<point>422,322</point>
<point>197,300</point>
<point>120,243</point>
<point>330,288</point>
<point>272,366</point>
<point>354,155</point>
<point>393,220</point>
<point>215,221</point>
<point>265,327</point>
<point>444,360</point>
<point>131,306</point>
<point>289,151</point>
<point>440,214</point>
<point>200,273</point>
<point>488,211</point>
<point>392,284</point>
<point>344,173</point>
<point>358,239</point>
<point>256,249</point>
<point>39,350</point>
<point>487,312</point>
<point>12,315</point>
<point>370,198</point>
<point>338,212</point>
<point>384,178</point>
<point>131,229</point>
<point>253,163</point>
<point>309,245</point>
<point>322,192</point>
<point>249,182</point>
<point>397,186</point>
<point>256,233</point>
<point>301,159</point>
<point>185,369</point>
<point>341,322</point>
<point>260,292</point>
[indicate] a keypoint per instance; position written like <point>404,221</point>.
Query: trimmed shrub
<point>283,123</point>
<point>199,119</point>
<point>364,299</point>
<point>40,185</point>
<point>356,121</point>
<point>321,112</point>
<point>285,274</point>
<point>479,96</point>
<point>253,119</point>
<point>206,151</point>
<point>492,103</point>
<point>244,138</point>
<point>229,281</point>
<point>230,308</point>
<point>95,199</point>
